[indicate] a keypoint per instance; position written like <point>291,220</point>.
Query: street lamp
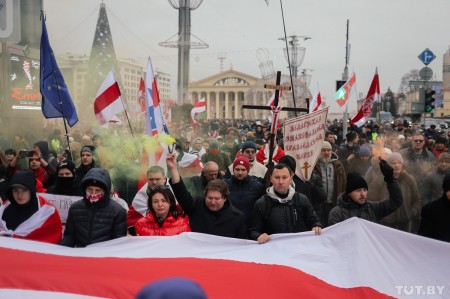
<point>184,44</point>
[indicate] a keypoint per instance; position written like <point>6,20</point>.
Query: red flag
<point>373,95</point>
<point>108,101</point>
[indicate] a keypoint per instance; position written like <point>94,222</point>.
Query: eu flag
<point>56,100</point>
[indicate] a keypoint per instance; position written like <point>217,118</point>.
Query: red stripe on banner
<point>107,97</point>
<point>124,277</point>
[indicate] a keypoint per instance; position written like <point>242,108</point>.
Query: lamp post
<point>184,44</point>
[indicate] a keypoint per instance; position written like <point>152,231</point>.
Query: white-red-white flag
<point>199,107</point>
<point>108,102</point>
<point>368,264</point>
<point>373,95</point>
<point>316,102</point>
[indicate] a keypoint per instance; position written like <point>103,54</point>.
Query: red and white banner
<point>353,259</point>
<point>373,96</point>
<point>108,101</point>
<point>61,202</point>
<point>199,107</point>
<point>303,138</point>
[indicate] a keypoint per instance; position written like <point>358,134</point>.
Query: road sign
<point>426,73</point>
<point>426,56</point>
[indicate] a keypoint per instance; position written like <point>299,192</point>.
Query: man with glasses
<point>417,159</point>
<point>249,151</point>
<point>213,214</point>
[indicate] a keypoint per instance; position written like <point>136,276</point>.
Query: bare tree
<point>413,75</point>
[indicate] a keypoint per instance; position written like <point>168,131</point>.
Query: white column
<point>236,105</point>
<point>217,104</point>
<point>227,108</point>
<point>208,107</point>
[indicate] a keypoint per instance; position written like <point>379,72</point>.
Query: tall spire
<point>102,58</point>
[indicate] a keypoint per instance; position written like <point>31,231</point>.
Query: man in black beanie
<point>348,151</point>
<point>353,203</point>
<point>66,183</point>
<point>436,215</point>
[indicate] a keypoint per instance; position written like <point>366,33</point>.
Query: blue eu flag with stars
<point>56,100</point>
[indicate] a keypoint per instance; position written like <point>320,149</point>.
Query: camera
<point>26,154</point>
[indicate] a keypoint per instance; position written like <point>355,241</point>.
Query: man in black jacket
<point>95,218</point>
<point>436,215</point>
<point>244,189</point>
<point>213,214</point>
<point>353,203</point>
<point>282,210</point>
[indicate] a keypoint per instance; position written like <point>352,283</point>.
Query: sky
<point>384,34</point>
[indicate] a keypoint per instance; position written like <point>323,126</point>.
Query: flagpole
<point>288,59</point>
<point>60,101</point>
<point>345,77</point>
<point>123,104</point>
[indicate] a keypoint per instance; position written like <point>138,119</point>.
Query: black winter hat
<point>356,181</point>
<point>66,164</point>
<point>351,135</point>
<point>289,161</point>
<point>446,183</point>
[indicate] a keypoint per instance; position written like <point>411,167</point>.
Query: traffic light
<point>429,100</point>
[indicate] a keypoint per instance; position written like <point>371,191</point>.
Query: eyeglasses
<point>418,140</point>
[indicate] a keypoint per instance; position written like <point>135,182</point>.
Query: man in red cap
<point>244,189</point>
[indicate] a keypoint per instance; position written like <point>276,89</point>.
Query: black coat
<point>227,222</point>
<point>89,223</point>
<point>436,219</point>
<point>372,211</point>
<point>273,217</point>
<point>244,194</point>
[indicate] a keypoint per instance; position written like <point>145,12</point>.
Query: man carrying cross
<point>275,108</point>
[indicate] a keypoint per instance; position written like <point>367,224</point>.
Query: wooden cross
<point>275,110</point>
<point>305,167</point>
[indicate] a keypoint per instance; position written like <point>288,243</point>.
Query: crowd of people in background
<point>393,174</point>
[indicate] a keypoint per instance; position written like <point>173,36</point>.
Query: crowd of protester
<point>392,174</point>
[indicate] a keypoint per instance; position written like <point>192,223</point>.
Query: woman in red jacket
<point>164,216</point>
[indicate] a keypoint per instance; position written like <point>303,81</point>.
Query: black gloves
<point>387,171</point>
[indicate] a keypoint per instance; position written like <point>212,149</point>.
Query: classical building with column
<point>224,92</point>
<point>227,91</point>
